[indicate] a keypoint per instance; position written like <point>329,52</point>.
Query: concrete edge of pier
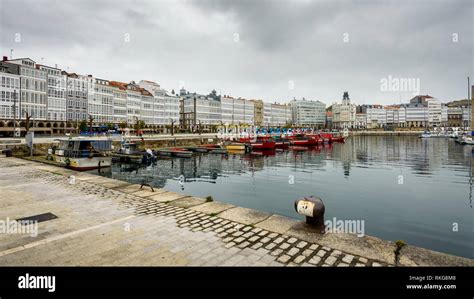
<point>365,246</point>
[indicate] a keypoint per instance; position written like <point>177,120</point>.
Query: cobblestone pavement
<point>125,225</point>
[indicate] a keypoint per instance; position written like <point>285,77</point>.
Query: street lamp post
<point>29,136</point>
<point>172,126</point>
<point>136,125</point>
<point>14,112</point>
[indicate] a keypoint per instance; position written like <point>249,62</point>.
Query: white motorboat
<point>83,154</point>
<point>425,135</point>
<point>465,140</point>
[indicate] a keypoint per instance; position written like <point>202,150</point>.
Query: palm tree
<point>83,126</point>
<point>123,125</point>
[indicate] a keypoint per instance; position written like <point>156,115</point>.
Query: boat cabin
<point>83,147</point>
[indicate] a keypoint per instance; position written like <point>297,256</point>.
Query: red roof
<point>120,85</point>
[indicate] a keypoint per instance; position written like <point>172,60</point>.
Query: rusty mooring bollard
<point>313,208</point>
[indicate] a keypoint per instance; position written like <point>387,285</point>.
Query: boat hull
<point>164,153</point>
<point>182,154</point>
<point>218,151</point>
<point>85,163</point>
<point>299,148</point>
<point>281,144</point>
<point>127,158</point>
<point>202,149</point>
<point>303,142</point>
<point>237,147</point>
<point>263,145</point>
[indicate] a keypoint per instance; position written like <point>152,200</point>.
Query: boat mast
<point>469,108</point>
<point>470,126</point>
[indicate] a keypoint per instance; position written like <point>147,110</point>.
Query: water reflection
<point>422,157</point>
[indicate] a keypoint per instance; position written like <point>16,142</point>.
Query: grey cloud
<point>192,41</point>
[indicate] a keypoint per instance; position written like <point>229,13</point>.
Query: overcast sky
<point>270,50</point>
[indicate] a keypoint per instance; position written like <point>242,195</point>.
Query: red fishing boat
<point>316,137</point>
<point>281,142</point>
<point>258,152</point>
<point>332,137</point>
<point>301,140</point>
<point>259,143</point>
<point>263,144</point>
<point>299,148</point>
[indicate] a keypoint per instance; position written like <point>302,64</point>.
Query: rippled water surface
<point>417,190</point>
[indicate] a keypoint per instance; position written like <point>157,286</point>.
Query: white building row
<point>422,111</point>
<point>47,93</point>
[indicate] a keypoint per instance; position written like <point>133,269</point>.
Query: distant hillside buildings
<point>58,101</point>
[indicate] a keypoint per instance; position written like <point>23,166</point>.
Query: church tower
<point>345,98</point>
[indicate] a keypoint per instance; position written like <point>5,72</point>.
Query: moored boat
<point>236,152</point>
<point>201,149</point>
<point>83,154</point>
<point>262,144</point>
<point>236,147</point>
<point>302,140</point>
<point>425,135</point>
<point>259,143</point>
<point>465,140</point>
<point>281,142</point>
<point>130,153</point>
<point>218,150</point>
<point>174,152</point>
<point>164,152</point>
<point>299,148</point>
<point>180,152</point>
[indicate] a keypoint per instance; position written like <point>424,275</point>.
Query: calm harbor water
<point>404,188</point>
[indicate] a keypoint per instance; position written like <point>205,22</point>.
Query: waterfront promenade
<point>115,137</point>
<point>102,222</point>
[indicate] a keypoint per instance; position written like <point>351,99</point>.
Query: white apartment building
<point>134,103</point>
<point>361,121</point>
<point>434,112</point>
<point>444,115</point>
<point>423,111</point>
<point>33,96</point>
<point>344,113</point>
<point>308,113</point>
<point>57,84</point>
<point>201,109</point>
<point>376,116</point>
<point>227,109</point>
<point>9,90</point>
<point>275,114</point>
<point>416,115</point>
<point>147,103</point>
<point>237,111</point>
<point>249,113</point>
<point>76,97</point>
<point>100,98</point>
<point>165,107</point>
<point>172,107</point>
<point>395,116</point>
<point>466,116</point>
<point>119,102</point>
